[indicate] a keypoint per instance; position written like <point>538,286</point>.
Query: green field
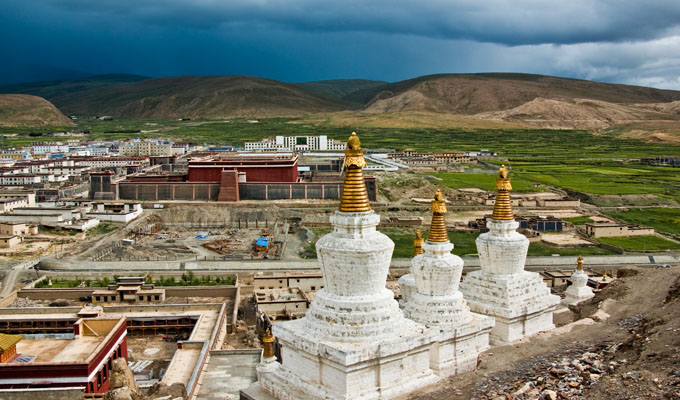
<point>458,180</point>
<point>187,279</point>
<point>666,220</point>
<point>542,249</point>
<point>641,243</point>
<point>517,144</point>
<point>581,179</point>
<point>464,244</point>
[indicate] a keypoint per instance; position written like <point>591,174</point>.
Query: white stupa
<point>354,342</point>
<point>433,299</point>
<point>579,289</point>
<point>519,300</point>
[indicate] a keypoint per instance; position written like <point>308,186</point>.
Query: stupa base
<point>521,303</point>
<point>459,346</point>
<point>316,369</point>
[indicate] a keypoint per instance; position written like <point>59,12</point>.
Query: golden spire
<point>354,195</point>
<point>579,263</point>
<point>438,231</point>
<point>268,341</point>
<point>418,243</point>
<point>502,210</point>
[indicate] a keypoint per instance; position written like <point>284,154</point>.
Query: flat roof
<point>59,350</point>
<point>77,349</point>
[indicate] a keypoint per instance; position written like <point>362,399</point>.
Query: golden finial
<point>268,341</point>
<point>354,195</point>
<point>579,263</point>
<point>502,210</point>
<point>438,231</point>
<point>418,243</point>
<point>604,276</point>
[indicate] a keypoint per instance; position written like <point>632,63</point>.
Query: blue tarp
<point>262,241</point>
<point>202,236</point>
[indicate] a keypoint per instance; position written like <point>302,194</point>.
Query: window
<point>313,287</point>
<point>141,297</point>
<point>96,298</point>
<point>99,379</point>
<point>158,297</point>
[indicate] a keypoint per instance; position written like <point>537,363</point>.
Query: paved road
<point>533,263</point>
<point>11,277</point>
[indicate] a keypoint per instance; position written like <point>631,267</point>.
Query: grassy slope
<point>197,97</point>
<point>26,110</point>
<point>51,90</point>
<point>339,88</point>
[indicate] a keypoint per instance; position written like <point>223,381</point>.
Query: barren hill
<point>197,97</point>
<point>575,113</point>
<point>26,110</point>
<point>477,93</point>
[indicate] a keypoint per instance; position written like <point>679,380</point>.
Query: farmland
<point>641,243</point>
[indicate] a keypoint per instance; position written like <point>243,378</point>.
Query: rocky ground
<point>625,344</point>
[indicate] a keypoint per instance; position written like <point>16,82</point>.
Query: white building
<point>19,180</point>
<point>113,162</point>
<point>44,148</point>
<point>296,143</point>
<point>147,148</point>
<point>10,203</point>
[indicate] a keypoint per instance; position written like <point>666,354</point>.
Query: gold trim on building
<point>418,243</point>
<point>502,209</point>
<point>438,232</point>
<point>268,342</point>
<point>354,195</point>
<point>579,263</point>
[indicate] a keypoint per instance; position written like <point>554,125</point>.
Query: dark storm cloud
<point>635,42</point>
<point>495,21</point>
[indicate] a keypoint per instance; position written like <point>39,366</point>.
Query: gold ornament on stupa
<point>502,210</point>
<point>438,231</point>
<point>354,195</point>
<point>418,243</point>
<point>579,263</point>
<point>268,342</point>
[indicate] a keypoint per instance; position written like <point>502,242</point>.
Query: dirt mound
<point>672,107</point>
<point>570,114</point>
<point>26,110</point>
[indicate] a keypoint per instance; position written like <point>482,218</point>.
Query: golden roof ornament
<point>579,263</point>
<point>268,342</point>
<point>502,209</point>
<point>438,232</point>
<point>354,195</point>
<point>418,243</point>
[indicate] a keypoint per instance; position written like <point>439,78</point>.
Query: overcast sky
<point>623,41</point>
